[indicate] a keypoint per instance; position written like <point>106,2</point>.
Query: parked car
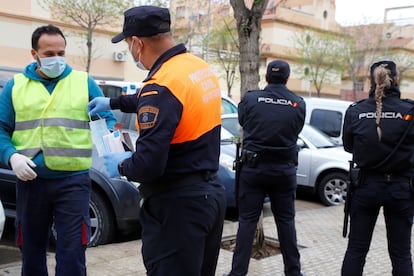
<point>112,88</point>
<point>2,219</point>
<point>226,173</point>
<point>322,167</point>
<point>327,115</point>
<point>228,106</point>
<point>114,205</point>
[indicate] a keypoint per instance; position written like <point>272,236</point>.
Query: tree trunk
<point>248,23</point>
<point>248,29</point>
<point>259,237</point>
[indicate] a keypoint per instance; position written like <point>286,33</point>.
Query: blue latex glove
<point>111,161</point>
<point>98,104</point>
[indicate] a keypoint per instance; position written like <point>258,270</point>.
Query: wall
<point>18,20</point>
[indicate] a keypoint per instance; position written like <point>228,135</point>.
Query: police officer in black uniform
<point>271,120</point>
<point>177,151</point>
<point>373,129</point>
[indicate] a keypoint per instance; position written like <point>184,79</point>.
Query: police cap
<point>144,21</point>
<point>390,65</point>
<point>276,70</point>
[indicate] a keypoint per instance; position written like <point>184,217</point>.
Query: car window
<point>317,138</point>
<point>231,124</point>
<point>328,121</point>
<point>127,119</point>
<point>227,107</point>
<point>112,91</point>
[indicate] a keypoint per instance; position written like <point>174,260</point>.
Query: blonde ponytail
<point>382,81</point>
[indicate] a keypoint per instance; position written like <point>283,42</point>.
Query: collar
<point>270,86</point>
<point>176,50</point>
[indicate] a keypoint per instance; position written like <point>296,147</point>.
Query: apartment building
<point>18,19</point>
<point>193,20</point>
<point>281,21</point>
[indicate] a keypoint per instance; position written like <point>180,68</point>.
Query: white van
<point>112,88</point>
<point>327,115</point>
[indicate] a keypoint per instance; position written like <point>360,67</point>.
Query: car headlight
<point>226,161</point>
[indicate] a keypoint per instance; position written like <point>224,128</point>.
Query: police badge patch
<point>147,116</point>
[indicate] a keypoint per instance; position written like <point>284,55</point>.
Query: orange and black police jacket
<point>178,118</point>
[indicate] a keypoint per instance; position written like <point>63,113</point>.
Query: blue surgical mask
<point>137,63</point>
<point>52,66</point>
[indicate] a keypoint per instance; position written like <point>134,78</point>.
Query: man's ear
<point>33,52</point>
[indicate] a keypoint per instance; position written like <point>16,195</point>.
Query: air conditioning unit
<point>119,56</point>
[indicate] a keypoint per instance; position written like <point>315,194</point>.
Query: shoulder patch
<point>147,116</point>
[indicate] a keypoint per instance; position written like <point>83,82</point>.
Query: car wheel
<point>102,220</point>
<point>332,189</point>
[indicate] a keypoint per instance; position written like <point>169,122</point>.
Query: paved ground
<point>319,232</point>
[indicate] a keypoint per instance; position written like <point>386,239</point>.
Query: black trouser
<point>279,182</point>
<point>396,198</point>
<point>182,230</point>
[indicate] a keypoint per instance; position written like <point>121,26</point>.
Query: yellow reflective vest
<point>56,124</point>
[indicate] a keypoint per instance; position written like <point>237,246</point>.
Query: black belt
<point>149,189</point>
<point>386,177</point>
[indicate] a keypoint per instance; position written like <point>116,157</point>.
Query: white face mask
<point>52,66</point>
<point>137,63</point>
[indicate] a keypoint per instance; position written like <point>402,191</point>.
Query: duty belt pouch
<point>355,176</point>
<point>250,158</point>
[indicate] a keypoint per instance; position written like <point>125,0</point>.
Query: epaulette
<point>408,101</point>
<point>355,103</point>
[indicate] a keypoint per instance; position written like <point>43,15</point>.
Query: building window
<point>180,11</point>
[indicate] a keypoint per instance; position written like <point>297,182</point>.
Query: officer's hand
<point>22,167</point>
<point>111,161</point>
<point>98,104</point>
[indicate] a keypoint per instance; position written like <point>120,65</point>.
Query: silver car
<point>323,165</point>
<point>2,219</point>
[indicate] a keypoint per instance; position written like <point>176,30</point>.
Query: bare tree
<point>363,44</point>
<point>158,3</point>
<point>405,62</point>
<point>320,56</point>
<point>88,15</point>
<point>224,44</point>
<point>248,21</point>
<point>192,25</point>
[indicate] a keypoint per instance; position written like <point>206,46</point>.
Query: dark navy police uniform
<point>388,186</point>
<point>271,120</point>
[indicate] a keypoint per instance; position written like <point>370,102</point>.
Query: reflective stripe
<point>68,123</point>
<point>30,152</point>
<point>68,152</point>
<point>27,124</point>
